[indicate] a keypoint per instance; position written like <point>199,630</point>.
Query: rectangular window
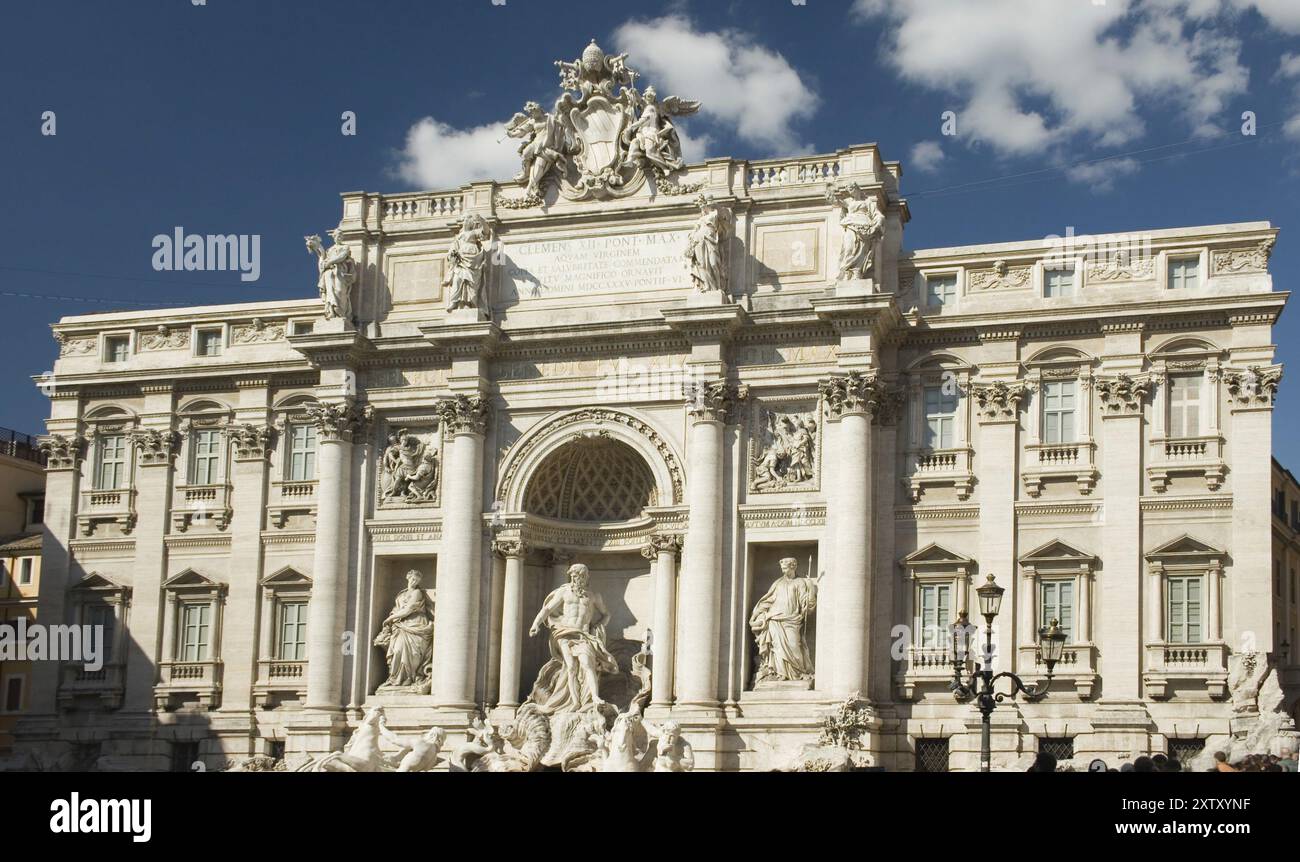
<point>14,694</point>
<point>1056,602</point>
<point>1185,405</point>
<point>940,289</point>
<point>293,631</point>
<point>96,614</point>
<point>1184,273</point>
<point>1183,610</point>
<point>25,571</point>
<point>207,342</point>
<point>940,418</point>
<point>1060,747</point>
<point>933,619</point>
<point>117,348</point>
<point>196,623</point>
<point>1058,282</point>
<point>302,453</point>
<point>932,755</point>
<point>111,472</point>
<point>302,327</point>
<point>206,464</point>
<point>1058,411</point>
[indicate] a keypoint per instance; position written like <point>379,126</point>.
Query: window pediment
<point>1186,551</point>
<point>287,577</point>
<point>935,559</point>
<point>1058,553</point>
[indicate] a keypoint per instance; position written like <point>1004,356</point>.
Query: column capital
<point>662,543</point>
<point>999,401</point>
<point>340,421</point>
<point>62,452</point>
<point>1123,394</point>
<point>861,392</point>
<point>464,414</point>
<point>155,445</point>
<point>714,401</point>
<point>1253,388</point>
<point>511,548</point>
<point>251,442</point>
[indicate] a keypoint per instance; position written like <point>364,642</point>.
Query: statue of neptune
<point>576,616</point>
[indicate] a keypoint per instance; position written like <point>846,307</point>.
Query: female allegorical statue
<point>467,261</point>
<point>407,638</point>
<point>861,222</point>
<point>778,625</point>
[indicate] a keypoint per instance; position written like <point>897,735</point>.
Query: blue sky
<point>225,118</point>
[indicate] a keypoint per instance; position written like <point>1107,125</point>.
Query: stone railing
<point>278,679</point>
<point>105,684</point>
<point>1193,456</point>
<point>1060,461</point>
<point>792,172</point>
<point>1197,663</point>
<point>291,497</point>
<point>436,205</point>
<point>940,468</point>
<point>115,505</point>
<point>202,502</point>
<point>187,681</point>
<point>1078,665</point>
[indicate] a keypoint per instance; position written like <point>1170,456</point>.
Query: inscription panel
<point>625,263</point>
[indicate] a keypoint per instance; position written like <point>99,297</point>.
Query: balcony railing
<point>437,205</point>
<point>77,683</point>
<point>291,497</point>
<point>112,505</point>
<point>1075,460</point>
<point>940,468</point>
<point>22,446</point>
<point>792,172</point>
<point>278,679</point>
<point>185,681</point>
<point>202,502</point>
<point>1205,664</point>
<point>1196,456</point>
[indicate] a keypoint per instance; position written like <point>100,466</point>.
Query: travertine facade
<point>678,376</point>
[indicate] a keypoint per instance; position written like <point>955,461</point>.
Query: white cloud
<point>1289,67</point>
<point>746,88</point>
<point>1031,77</point>
<point>438,156</point>
<point>1101,176</point>
<point>926,156</point>
<point>1282,14</point>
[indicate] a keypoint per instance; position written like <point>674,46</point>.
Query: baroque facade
<point>712,420</point>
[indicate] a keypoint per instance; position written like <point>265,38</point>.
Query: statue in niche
<point>706,248</point>
<point>410,468</point>
<point>543,147</point>
<point>338,272</point>
<point>577,617</point>
<point>778,624</point>
<point>651,138</point>
<point>861,223</point>
<point>406,635</point>
<point>787,457</point>
<point>467,261</point>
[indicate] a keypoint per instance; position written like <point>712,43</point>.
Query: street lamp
<point>980,685</point>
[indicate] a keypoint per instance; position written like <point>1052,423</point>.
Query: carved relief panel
<point>785,444</point>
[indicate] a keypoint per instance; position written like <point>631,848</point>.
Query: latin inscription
<point>602,264</point>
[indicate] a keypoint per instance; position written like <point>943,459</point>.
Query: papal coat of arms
<point>604,137</point>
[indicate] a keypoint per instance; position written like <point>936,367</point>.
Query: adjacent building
<point>22,492</point>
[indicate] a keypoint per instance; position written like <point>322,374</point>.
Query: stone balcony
<point>183,682</point>
<point>1071,461</point>
<point>279,680</point>
<point>1078,665</point>
<point>1169,664</point>
<point>115,506</point>
<point>79,685</point>
<point>290,498</point>
<point>929,666</point>
<point>1194,456</point>
<point>202,503</point>
<point>940,468</point>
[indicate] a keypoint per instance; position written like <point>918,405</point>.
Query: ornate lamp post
<point>980,685</point>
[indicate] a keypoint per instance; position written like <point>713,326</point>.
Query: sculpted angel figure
<point>705,248</point>
<point>406,635</point>
<point>862,224</point>
<point>467,265</point>
<point>543,145</point>
<point>577,617</point>
<point>338,272</point>
<point>778,625</point>
<point>651,137</point>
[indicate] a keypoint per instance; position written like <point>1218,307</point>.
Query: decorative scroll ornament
<point>464,414</point>
<point>251,441</point>
<point>1122,266</point>
<point>603,138</point>
<point>156,446</point>
<point>1237,260</point>
<point>1123,395</point>
<point>257,332</point>
<point>859,392</point>
<point>62,452</point>
<point>999,401</point>
<point>714,401</point>
<point>999,277</point>
<point>340,421</point>
<point>662,543</point>
<point>164,338</point>
<point>1254,387</point>
<point>74,346</point>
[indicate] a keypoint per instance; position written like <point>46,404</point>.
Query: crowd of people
<point>1284,762</point>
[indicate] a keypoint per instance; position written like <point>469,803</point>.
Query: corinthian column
<point>856,400</point>
<point>663,550</point>
<point>337,424</point>
<point>456,625</point>
<point>710,406</point>
<point>512,620</point>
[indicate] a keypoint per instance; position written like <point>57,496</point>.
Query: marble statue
<point>651,138</point>
<point>778,625</point>
<point>338,272</point>
<point>788,454</point>
<point>410,468</point>
<point>421,754</point>
<point>672,752</point>
<point>576,617</point>
<point>706,248</point>
<point>861,223</point>
<point>543,146</point>
<point>362,752</point>
<point>406,635</point>
<point>467,266</point>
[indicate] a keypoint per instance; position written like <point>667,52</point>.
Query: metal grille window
<point>1183,750</point>
<point>1058,411</point>
<point>1184,405</point>
<point>1060,747</point>
<point>1183,610</point>
<point>206,466</point>
<point>1184,273</point>
<point>184,756</point>
<point>940,289</point>
<point>932,755</point>
<point>940,418</point>
<point>302,453</point>
<point>112,462</point>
